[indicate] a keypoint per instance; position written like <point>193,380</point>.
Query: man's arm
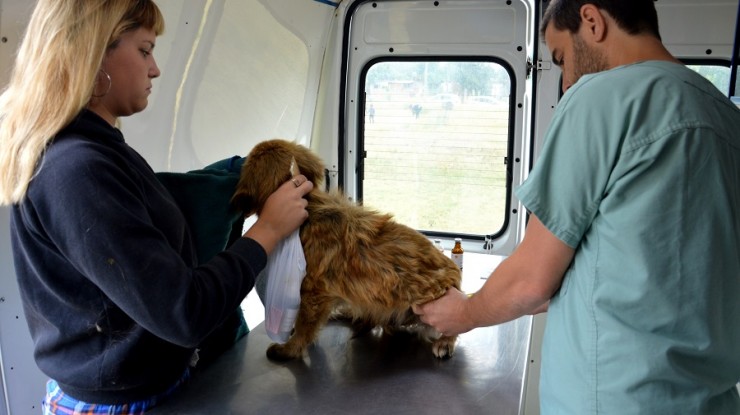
<point>522,284</point>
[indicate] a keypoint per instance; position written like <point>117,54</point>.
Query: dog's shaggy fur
<point>357,260</point>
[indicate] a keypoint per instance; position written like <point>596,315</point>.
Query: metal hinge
<point>544,65</point>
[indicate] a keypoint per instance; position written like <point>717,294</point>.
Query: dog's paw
<point>361,328</point>
<point>281,353</point>
<point>444,347</point>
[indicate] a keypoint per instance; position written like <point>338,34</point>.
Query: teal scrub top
<point>640,173</point>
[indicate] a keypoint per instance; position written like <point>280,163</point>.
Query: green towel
<point>204,197</point>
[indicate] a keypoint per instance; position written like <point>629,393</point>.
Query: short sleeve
<point>569,179</point>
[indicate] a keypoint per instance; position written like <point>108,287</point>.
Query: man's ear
<point>593,23</point>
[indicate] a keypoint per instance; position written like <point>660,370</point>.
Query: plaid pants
<point>57,402</point>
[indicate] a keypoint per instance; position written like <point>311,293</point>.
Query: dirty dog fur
<point>357,260</point>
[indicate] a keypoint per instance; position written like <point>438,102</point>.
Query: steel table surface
<point>371,374</point>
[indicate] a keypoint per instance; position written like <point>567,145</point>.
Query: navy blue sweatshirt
<point>107,270</point>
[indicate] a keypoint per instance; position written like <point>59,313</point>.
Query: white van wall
<point>22,382</point>
<point>233,73</point>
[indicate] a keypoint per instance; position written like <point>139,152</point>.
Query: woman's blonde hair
<point>54,76</point>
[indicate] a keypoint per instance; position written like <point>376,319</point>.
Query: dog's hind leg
<point>312,315</point>
<point>443,347</point>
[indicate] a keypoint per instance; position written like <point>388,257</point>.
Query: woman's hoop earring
<point>110,83</point>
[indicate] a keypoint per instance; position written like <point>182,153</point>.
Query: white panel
<point>421,26</point>
<point>691,28</point>
<point>234,72</point>
<point>13,18</point>
<point>22,382</point>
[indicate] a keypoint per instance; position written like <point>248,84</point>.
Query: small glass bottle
<point>457,253</point>
<point>439,246</point>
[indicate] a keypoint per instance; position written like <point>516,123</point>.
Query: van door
<point>435,128</point>
<point>436,115</point>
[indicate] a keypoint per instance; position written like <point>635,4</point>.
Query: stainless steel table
<point>373,374</point>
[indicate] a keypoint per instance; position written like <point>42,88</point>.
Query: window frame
<point>508,165</point>
<point>711,62</point>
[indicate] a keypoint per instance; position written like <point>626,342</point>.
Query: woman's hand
<point>284,211</point>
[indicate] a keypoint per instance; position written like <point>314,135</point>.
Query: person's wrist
<point>264,234</point>
<point>468,312</point>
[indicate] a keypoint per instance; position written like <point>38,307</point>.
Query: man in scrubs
<point>633,243</point>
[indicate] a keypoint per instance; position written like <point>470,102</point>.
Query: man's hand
<point>447,314</point>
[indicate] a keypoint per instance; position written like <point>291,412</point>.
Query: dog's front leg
<point>312,315</point>
<point>444,347</point>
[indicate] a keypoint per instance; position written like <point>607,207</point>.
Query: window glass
<point>436,137</point>
<point>717,75</point>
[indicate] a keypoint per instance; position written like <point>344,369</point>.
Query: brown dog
<point>363,262</point>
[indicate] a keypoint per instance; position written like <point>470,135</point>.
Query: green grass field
<point>442,171</point>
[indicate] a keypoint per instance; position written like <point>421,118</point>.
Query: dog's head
<point>267,167</point>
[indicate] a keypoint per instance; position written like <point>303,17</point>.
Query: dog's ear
<point>243,202</point>
<point>266,167</point>
<point>309,164</point>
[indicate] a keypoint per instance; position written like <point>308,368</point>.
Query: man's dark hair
<point>633,16</point>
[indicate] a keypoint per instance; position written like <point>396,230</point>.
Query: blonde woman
<point>113,294</point>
